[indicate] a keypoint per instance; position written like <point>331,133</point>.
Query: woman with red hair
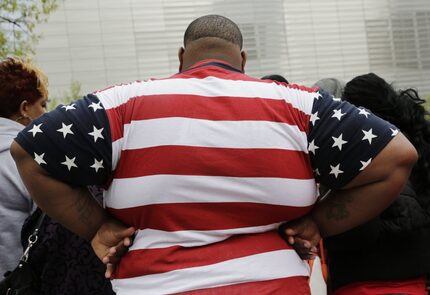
<point>23,97</point>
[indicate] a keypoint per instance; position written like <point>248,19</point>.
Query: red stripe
<point>292,286</point>
<point>116,121</point>
<point>206,216</point>
<point>188,160</point>
<point>152,261</point>
<point>210,108</point>
<point>207,108</point>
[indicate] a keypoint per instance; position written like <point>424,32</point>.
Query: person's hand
<point>303,235</point>
<point>111,242</point>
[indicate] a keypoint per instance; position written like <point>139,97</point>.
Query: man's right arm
<point>72,149</point>
<point>74,208</point>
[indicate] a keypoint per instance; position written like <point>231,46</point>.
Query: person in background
<point>65,262</point>
<point>275,77</point>
<point>391,253</point>
<point>206,165</point>
<point>23,98</point>
<point>331,85</point>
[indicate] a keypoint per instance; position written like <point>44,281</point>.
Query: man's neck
<point>200,50</point>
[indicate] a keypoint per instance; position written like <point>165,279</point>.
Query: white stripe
<point>147,190</point>
<point>261,267</point>
<point>116,151</point>
<point>205,133</point>
<point>152,238</point>
<point>211,87</point>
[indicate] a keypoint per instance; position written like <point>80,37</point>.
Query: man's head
<point>213,26</point>
<point>212,37</point>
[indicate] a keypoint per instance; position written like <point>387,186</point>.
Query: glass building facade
<point>104,42</point>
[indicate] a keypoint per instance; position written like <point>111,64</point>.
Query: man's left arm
<point>73,207</point>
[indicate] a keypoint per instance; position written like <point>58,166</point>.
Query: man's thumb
<point>127,232</point>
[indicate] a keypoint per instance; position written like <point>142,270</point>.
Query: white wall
<point>102,42</point>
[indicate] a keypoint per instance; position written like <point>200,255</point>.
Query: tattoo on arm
<point>337,207</point>
<point>84,207</point>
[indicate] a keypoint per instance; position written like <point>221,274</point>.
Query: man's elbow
<point>407,154</point>
<point>391,166</point>
<point>404,158</point>
<point>18,153</point>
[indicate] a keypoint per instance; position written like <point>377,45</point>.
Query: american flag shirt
<point>207,164</point>
<point>76,138</point>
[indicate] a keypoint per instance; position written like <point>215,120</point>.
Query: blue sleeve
<point>72,143</point>
<point>344,139</point>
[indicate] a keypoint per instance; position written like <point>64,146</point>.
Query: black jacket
<point>393,246</point>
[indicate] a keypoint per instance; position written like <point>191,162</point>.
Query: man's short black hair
<point>213,26</point>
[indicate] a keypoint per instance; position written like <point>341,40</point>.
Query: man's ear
<point>181,52</point>
<point>244,58</point>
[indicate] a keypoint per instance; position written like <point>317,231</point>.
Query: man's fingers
<point>121,249</point>
<point>128,240</point>
<point>290,232</point>
<point>314,250</point>
<point>112,260</point>
<point>307,244</point>
<point>110,268</point>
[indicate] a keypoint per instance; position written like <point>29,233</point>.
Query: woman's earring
<point>24,117</point>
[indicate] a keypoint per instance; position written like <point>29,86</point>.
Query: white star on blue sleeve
<point>36,129</point>
<point>363,112</point>
<point>364,164</point>
<point>97,133</point>
<point>394,132</point>
<point>69,107</point>
<point>337,114</point>
<point>335,170</point>
<point>70,163</point>
<point>314,118</point>
<point>312,147</point>
<point>39,158</point>
<point>65,129</point>
<point>97,165</point>
<point>95,106</point>
<point>338,141</point>
<point>368,135</point>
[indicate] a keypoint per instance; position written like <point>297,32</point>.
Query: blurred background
<point>85,45</point>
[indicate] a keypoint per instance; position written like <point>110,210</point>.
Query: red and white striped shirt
<point>206,165</point>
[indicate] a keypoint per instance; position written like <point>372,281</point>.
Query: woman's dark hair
<point>20,80</point>
<point>275,77</point>
<point>403,108</point>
